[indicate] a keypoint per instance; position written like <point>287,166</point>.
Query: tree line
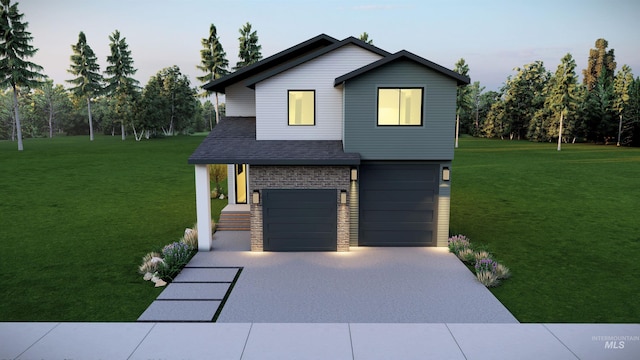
<point>109,101</point>
<point>539,105</point>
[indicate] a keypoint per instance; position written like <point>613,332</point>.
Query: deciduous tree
<point>169,102</point>
<point>16,71</point>
<point>621,84</point>
<point>88,82</point>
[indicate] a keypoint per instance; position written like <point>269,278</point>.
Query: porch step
<point>234,221</point>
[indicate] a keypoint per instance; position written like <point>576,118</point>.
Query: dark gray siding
<point>431,141</point>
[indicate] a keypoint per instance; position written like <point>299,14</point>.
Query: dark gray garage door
<point>398,204</point>
<point>300,220</point>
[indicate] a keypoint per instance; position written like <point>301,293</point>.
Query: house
<point>332,144</point>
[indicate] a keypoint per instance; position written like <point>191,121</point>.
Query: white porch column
<point>231,183</point>
<point>203,208</point>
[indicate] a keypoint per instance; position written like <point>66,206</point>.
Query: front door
<point>241,183</point>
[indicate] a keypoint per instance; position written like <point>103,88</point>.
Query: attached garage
<point>398,204</point>
<point>300,219</point>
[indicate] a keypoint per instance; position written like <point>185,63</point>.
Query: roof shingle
<point>233,141</point>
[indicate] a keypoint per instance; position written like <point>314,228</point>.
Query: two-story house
<point>333,144</point>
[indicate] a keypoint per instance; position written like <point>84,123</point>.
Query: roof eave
<point>252,81</point>
<point>219,85</point>
<point>271,162</point>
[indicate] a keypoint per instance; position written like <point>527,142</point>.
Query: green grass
<point>76,218</point>
<point>566,223</point>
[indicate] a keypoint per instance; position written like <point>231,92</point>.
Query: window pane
<point>301,108</point>
<point>388,104</point>
<point>410,106</point>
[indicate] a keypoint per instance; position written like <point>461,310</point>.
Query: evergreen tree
<point>121,85</point>
<point>562,93</point>
<point>621,84</point>
<point>463,95</point>
<point>600,61</point>
<point>365,37</point>
<point>15,71</point>
<point>249,52</point>
<point>88,81</point>
<point>213,61</point>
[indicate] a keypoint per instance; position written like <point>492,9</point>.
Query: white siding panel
<point>319,75</point>
<point>240,100</point>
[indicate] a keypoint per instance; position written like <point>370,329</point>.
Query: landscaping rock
<point>160,283</point>
<point>147,276</point>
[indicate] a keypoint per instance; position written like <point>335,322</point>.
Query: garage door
<point>300,220</point>
<point>398,204</point>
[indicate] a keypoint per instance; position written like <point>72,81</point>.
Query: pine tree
<point>213,62</point>
<point>365,37</point>
<point>562,92</point>
<point>15,71</point>
<point>121,85</point>
<point>88,82</point>
<point>600,60</point>
<point>463,95</point>
<point>249,52</point>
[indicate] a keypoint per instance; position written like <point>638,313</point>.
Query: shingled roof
<point>233,141</point>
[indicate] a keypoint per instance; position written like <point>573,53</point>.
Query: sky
<point>493,37</point>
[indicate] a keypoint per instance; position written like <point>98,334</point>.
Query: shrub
<point>485,264</point>
<point>176,256</point>
<point>502,271</point>
<point>482,254</point>
<point>458,243</point>
<point>467,255</point>
<point>487,278</point>
<point>151,263</point>
<point>191,237</point>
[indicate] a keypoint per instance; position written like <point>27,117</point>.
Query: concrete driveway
<point>365,285</point>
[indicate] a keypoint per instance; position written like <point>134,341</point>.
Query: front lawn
<point>77,217</point>
<point>566,223</point>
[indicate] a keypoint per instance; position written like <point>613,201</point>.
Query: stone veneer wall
<point>299,177</point>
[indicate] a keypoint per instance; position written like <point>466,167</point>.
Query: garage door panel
<point>406,216</point>
<point>308,213</point>
<point>398,203</point>
<point>299,220</point>
<point>399,196</point>
<point>391,238</point>
<point>298,229</point>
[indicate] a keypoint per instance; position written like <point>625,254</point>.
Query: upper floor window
<point>400,106</point>
<point>302,109</point>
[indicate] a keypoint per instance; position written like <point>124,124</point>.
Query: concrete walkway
<point>365,285</point>
<point>317,341</point>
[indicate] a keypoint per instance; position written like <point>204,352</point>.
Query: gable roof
<point>305,47</point>
<point>251,82</point>
<point>403,55</point>
<point>233,141</point>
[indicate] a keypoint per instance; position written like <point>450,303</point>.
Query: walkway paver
<point>195,295</point>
